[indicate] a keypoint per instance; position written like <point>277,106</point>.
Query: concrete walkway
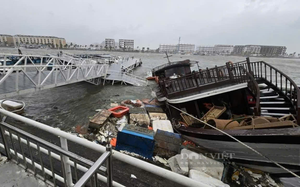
<point>12,175</point>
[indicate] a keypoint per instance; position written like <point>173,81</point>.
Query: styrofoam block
<point>164,125</point>
<point>204,164</point>
<point>205,178</point>
<point>11,104</point>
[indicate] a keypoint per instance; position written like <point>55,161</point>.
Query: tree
<point>143,49</point>
<point>148,49</point>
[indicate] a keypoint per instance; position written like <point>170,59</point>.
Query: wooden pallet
<point>214,113</point>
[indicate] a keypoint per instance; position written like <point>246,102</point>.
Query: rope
<point>274,162</point>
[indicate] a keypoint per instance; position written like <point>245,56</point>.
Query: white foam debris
<point>133,176</point>
<point>161,160</point>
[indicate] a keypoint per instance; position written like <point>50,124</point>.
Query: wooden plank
<point>99,119</point>
<point>214,113</point>
<point>158,116</point>
<point>267,125</point>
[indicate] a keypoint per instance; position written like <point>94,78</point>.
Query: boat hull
<point>281,146</point>
<point>285,154</point>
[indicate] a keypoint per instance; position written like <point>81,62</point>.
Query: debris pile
<point>144,131</point>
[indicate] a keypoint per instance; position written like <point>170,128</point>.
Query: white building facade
<point>168,48</point>
<point>223,49</point>
<point>109,43</point>
<point>186,48</point>
<point>205,50</point>
<point>126,44</point>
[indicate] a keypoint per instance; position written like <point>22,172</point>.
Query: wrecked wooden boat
<point>240,90</point>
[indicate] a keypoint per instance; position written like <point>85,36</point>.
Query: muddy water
<point>67,106</point>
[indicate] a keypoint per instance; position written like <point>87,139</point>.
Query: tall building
<point>109,43</point>
<point>223,49</point>
<point>126,44</point>
<point>51,41</point>
<point>187,48</point>
<point>6,40</point>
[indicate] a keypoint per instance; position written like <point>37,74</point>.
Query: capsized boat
<point>261,101</point>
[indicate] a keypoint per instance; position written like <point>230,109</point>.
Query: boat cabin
<point>173,69</point>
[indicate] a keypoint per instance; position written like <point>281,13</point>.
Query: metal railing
<point>41,157</point>
<point>59,166</point>
<point>278,80</point>
<point>129,78</point>
<point>28,73</point>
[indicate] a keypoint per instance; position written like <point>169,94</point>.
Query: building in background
<point>168,48</point>
<point>50,41</point>
<point>110,43</point>
<point>6,40</point>
<point>182,48</point>
<point>126,44</point>
<point>259,50</point>
<point>205,50</point>
<point>223,49</point>
<point>252,49</point>
<point>186,48</point>
<point>238,50</point>
<point>272,50</point>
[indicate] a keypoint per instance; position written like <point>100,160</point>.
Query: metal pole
<point>65,160</point>
<point>109,165</point>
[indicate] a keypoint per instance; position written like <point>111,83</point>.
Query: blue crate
<point>135,139</point>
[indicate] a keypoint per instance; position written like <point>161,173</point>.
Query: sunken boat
<point>253,102</point>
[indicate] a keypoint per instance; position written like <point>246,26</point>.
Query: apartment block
<point>126,44</point>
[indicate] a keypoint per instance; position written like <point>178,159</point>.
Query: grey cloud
<point>150,23</point>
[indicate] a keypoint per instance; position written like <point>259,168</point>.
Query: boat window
<point>178,71</point>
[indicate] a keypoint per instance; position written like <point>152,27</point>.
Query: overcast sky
<point>154,22</point>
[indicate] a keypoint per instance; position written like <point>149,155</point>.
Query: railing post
<point>109,164</point>
<point>229,69</point>
<point>249,66</point>
<point>218,73</point>
<point>65,160</point>
<point>5,143</point>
